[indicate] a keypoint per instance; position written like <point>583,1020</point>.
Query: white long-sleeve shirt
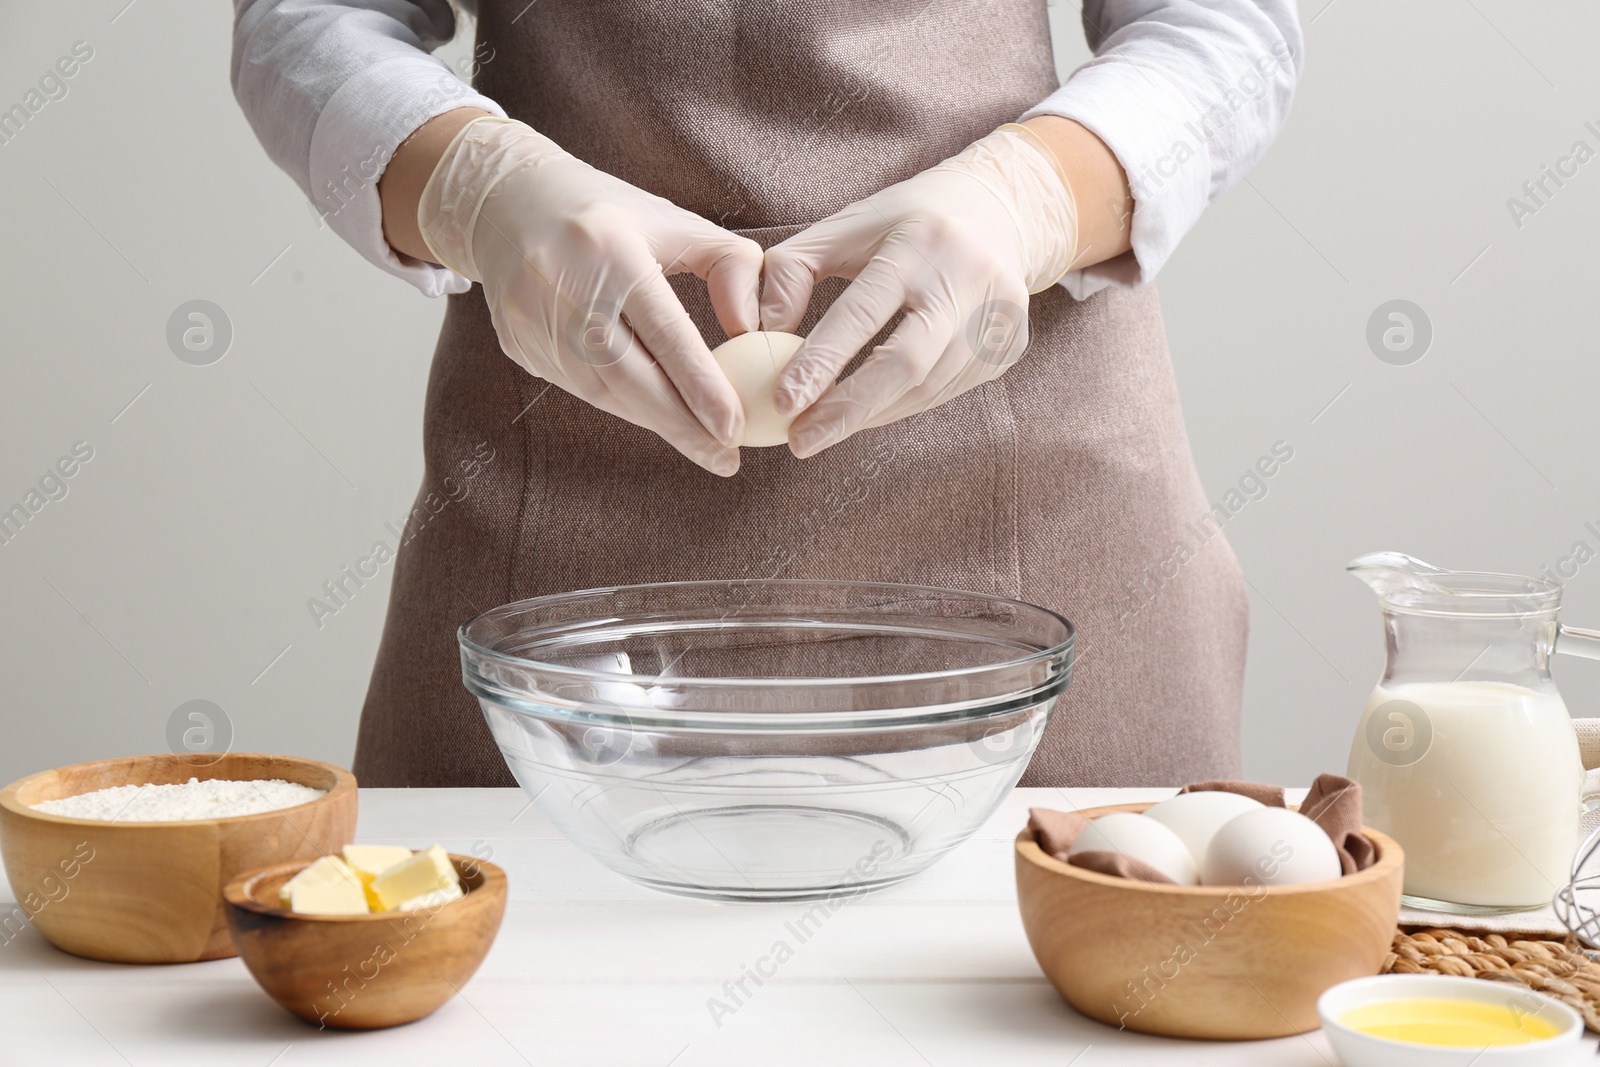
<point>1186,94</point>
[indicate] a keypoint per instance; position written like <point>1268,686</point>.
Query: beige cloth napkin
<point>1541,921</point>
<point>1270,795</point>
<point>1333,803</point>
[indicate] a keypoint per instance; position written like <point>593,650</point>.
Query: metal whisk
<point>1578,902</point>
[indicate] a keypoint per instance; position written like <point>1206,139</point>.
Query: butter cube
<point>327,887</point>
<point>425,872</point>
<point>369,861</point>
<point>322,869</point>
<point>437,898</point>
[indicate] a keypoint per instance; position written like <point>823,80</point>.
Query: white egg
<point>1196,817</point>
<point>1140,838</point>
<point>1271,846</point>
<point>752,362</point>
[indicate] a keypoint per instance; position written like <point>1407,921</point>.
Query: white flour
<point>214,799</point>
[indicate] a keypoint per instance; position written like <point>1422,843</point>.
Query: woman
<point>617,228</point>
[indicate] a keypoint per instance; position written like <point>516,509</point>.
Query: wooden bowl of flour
<point>151,892</point>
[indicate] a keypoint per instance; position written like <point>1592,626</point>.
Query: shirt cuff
<point>355,137</point>
<point>1151,127</point>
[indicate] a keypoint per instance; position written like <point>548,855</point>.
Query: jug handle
<point>1576,642</point>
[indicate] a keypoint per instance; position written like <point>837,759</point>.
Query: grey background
<point>178,566</point>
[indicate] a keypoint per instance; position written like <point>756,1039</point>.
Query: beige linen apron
<point>1067,482</point>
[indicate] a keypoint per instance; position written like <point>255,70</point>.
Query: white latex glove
<point>959,248</point>
<point>573,264</point>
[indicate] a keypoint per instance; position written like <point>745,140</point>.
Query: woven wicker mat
<point>1557,968</point>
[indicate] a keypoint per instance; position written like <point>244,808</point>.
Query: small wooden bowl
<point>151,892</point>
<point>1222,962</point>
<point>363,972</point>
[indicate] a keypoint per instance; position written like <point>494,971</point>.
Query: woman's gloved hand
<point>573,264</point>
<point>959,248</point>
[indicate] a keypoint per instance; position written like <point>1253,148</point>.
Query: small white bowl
<point>1356,1049</point>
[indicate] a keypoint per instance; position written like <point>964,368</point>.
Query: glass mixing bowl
<point>767,740</point>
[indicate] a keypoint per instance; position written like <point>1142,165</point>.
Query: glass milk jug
<point>1465,752</point>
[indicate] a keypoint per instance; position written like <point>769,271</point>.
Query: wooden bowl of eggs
<point>1220,961</point>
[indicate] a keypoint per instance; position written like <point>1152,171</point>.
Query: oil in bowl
<point>1449,1023</point>
<point>1435,1020</point>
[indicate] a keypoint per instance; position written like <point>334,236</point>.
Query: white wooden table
<point>590,969</point>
